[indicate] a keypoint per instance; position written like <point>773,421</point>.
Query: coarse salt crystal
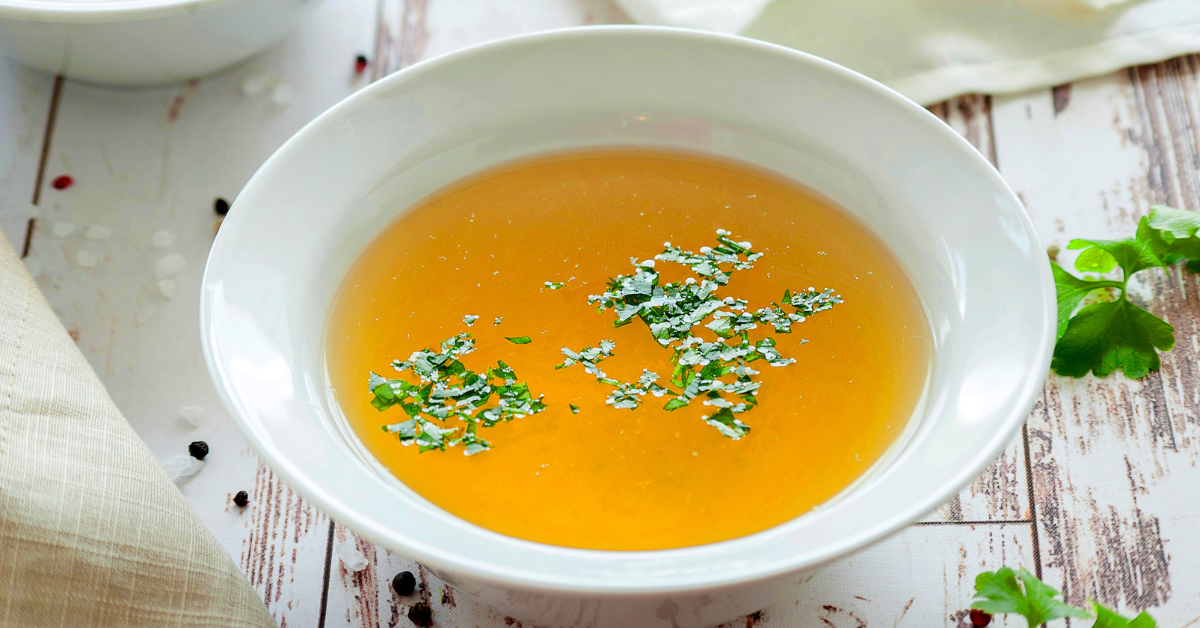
<point>194,415</point>
<point>168,265</point>
<point>86,259</point>
<point>167,288</point>
<point>258,83</point>
<point>353,559</point>
<point>96,232</point>
<point>145,313</point>
<point>182,467</point>
<point>162,239</point>
<point>282,94</point>
<point>63,229</point>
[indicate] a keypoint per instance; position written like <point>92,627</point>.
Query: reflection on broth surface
<point>589,471</point>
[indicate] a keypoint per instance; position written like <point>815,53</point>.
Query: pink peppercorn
<point>360,64</point>
<point>62,182</point>
<point>980,618</point>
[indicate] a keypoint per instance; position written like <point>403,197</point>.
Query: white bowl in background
<point>142,42</point>
<point>308,213</point>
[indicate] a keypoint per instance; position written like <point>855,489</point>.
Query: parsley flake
<point>554,285</point>
<point>470,319</point>
<point>519,340</point>
<point>716,372</point>
<point>447,390</point>
<point>496,322</point>
<point>574,408</point>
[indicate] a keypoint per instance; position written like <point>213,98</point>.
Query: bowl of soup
<point>627,325</point>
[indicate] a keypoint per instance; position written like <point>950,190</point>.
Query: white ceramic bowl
<point>310,210</point>
<point>142,42</point>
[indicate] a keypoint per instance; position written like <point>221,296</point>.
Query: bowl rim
<point>98,11</point>
<point>438,558</point>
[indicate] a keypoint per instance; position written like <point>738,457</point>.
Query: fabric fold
<point>92,531</point>
<point>932,50</point>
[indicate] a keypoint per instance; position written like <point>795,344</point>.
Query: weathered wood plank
<point>1114,460</point>
<point>284,547</point>
<point>923,576</point>
<point>24,106</point>
<point>151,160</point>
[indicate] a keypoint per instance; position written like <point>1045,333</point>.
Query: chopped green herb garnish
<point>554,285</point>
<point>717,371</point>
<point>470,319</point>
<point>574,408</point>
<point>447,389</point>
<point>1022,593</point>
<point>519,340</point>
<point>1110,332</point>
<point>589,357</point>
<point>497,321</point>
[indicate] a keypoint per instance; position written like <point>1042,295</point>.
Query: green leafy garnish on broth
<point>1021,593</point>
<point>519,340</point>
<point>447,390</point>
<point>574,408</point>
<point>716,372</point>
<point>470,319</point>
<point>497,321</point>
<point>1099,329</point>
<point>554,285</point>
<point>589,357</point>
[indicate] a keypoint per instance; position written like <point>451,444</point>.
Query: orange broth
<point>620,479</point>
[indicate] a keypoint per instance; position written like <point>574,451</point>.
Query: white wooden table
<point>1100,494</point>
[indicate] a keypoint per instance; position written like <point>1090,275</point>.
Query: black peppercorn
<point>221,206</point>
<point>198,449</point>
<point>404,583</point>
<point>421,615</point>
<point>241,499</point>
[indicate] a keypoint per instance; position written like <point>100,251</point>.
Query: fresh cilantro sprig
<point>1020,592</point>
<point>1112,332</point>
<point>446,389</point>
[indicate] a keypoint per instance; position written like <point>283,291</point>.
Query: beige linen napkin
<point>931,50</point>
<point>92,531</point>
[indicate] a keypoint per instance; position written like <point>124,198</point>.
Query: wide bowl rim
<point>99,11</point>
<point>438,558</point>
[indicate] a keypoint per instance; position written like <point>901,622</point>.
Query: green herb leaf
<point>554,285</point>
<point>1104,337</point>
<point>1172,235</point>
<point>574,408</point>
<point>1000,592</point>
<point>519,340</point>
<point>1106,618</point>
<point>715,372</point>
<point>1102,256</point>
<point>470,319</point>
<point>1071,291</point>
<point>449,390</point>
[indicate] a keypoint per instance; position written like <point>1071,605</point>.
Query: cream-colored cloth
<point>931,50</point>
<point>92,531</point>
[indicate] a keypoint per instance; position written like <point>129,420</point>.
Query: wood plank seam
<point>1037,549</point>
<point>328,569</point>
<point>47,140</point>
